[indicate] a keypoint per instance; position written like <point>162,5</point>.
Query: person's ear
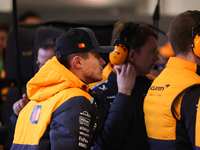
<point>131,55</point>
<point>77,62</point>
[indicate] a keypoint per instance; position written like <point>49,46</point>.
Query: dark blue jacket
<point>124,128</point>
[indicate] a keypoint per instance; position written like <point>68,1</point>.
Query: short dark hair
<point>180,33</point>
<point>47,44</point>
<point>4,27</point>
<point>139,37</point>
<point>66,59</point>
<point>27,14</point>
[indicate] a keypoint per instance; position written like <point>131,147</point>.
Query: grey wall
<point>70,12</point>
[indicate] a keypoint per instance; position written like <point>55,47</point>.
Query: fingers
<point>120,69</point>
<point>123,70</point>
<point>22,103</point>
<point>126,78</point>
<point>25,98</point>
<point>17,107</point>
<point>130,68</point>
<point>117,68</point>
<point>126,68</point>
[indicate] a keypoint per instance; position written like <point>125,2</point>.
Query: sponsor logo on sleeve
<point>82,145</point>
<point>35,114</point>
<point>84,132</point>
<point>85,121</point>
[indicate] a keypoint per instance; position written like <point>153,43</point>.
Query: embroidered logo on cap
<point>35,114</point>
<point>81,45</point>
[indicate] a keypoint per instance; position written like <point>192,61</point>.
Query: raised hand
<point>126,75</point>
<point>17,106</point>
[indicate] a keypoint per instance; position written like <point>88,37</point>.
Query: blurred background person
<point>4,29</point>
<point>164,53</point>
<point>29,17</point>
<point>45,52</point>
<point>158,66</point>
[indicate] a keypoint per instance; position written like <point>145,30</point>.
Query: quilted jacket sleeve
<point>116,124</point>
<point>73,124</point>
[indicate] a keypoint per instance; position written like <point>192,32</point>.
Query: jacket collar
<point>183,64</point>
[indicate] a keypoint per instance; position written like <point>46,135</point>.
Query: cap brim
<point>103,49</point>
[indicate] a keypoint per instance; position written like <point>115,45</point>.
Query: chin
<point>95,80</point>
<point>99,79</point>
<point>147,71</point>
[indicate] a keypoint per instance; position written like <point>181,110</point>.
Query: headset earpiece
<point>122,45</point>
<point>195,36</point>
<point>119,55</point>
<point>196,45</point>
